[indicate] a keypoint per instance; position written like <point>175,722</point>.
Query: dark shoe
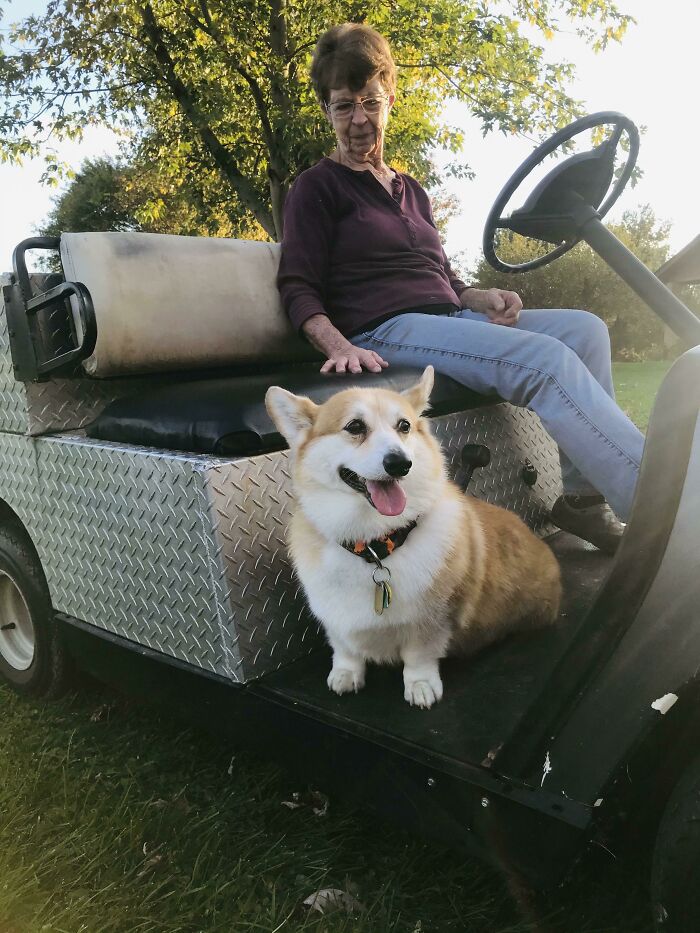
<point>590,518</point>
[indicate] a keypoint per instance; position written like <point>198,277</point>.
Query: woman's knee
<point>542,363</point>
<point>591,331</point>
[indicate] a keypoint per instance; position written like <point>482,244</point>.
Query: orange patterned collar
<point>382,547</point>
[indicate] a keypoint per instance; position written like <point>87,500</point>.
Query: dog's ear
<point>292,414</point>
<point>419,395</point>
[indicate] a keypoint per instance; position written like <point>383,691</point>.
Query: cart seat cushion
<point>165,302</point>
<point>227,416</point>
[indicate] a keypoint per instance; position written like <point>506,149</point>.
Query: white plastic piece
<point>664,703</point>
<point>546,768</point>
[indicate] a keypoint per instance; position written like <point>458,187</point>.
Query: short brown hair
<point>349,56</point>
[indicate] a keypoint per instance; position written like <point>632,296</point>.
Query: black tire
<point>33,660</point>
<point>675,892</point>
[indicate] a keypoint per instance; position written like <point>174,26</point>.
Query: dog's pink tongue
<point>388,497</point>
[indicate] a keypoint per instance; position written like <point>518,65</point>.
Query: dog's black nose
<point>396,464</point>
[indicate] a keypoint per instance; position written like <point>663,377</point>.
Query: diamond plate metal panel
<point>251,502</point>
<point>512,435</point>
<point>19,480</point>
<point>13,402</point>
<point>125,546</point>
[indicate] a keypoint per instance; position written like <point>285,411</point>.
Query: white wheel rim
<point>17,638</point>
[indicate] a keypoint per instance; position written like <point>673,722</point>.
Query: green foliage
<point>581,279</point>
<point>105,195</point>
<point>96,199</point>
<point>214,97</point>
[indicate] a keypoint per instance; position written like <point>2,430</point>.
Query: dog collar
<point>380,548</point>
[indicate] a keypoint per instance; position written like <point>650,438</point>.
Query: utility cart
<point>144,498</point>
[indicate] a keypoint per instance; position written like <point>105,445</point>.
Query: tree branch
<point>221,156</point>
<point>278,27</point>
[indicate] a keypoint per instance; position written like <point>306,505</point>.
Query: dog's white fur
<point>465,575</point>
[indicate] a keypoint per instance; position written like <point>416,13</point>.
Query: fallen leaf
<point>102,712</point>
<point>329,899</point>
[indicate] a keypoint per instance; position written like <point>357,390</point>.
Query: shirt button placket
<point>411,230</point>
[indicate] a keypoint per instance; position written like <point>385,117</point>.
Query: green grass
<point>636,385</point>
<point>116,820</point>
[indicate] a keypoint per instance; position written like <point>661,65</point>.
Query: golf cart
<point>144,497</point>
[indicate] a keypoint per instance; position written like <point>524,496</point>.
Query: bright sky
<point>650,77</point>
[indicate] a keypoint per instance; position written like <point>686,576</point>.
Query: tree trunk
<point>221,156</point>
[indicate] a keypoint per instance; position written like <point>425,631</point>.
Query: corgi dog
<point>397,563</point>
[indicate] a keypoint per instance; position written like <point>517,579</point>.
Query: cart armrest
<point>49,331</point>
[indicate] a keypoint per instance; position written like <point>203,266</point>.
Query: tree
<point>109,195</point>
<point>581,279</point>
<point>96,199</point>
<point>217,92</point>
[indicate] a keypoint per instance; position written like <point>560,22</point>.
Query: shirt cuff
<point>301,311</point>
<point>460,287</point>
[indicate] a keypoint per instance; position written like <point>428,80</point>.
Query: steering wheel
<point>582,179</point>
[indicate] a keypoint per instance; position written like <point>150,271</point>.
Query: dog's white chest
<point>341,590</point>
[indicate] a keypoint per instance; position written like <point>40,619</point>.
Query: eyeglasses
<point>342,109</point>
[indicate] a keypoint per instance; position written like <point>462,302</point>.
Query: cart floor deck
<point>485,697</point>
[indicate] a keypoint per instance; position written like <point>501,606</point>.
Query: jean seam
<point>499,362</point>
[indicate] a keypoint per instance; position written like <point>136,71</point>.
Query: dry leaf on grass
<point>329,899</point>
<point>102,713</point>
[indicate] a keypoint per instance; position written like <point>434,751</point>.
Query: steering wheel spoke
<point>579,178</point>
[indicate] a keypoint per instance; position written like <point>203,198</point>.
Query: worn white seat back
<point>172,302</point>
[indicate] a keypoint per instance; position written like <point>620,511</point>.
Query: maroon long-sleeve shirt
<point>361,255</point>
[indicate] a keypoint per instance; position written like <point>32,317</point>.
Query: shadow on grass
<point>115,818</point>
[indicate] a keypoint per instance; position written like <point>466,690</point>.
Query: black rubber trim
<point>227,416</point>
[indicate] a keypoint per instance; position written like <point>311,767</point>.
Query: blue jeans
<point>555,362</point>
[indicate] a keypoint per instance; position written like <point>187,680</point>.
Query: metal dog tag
<point>379,599</point>
<point>382,591</point>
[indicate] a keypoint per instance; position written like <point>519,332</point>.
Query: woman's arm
<point>308,232</point>
<point>341,355</point>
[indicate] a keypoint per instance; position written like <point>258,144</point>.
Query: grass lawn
<point>636,385</point>
<point>114,819</point>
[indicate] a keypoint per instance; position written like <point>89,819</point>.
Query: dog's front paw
<point>341,680</point>
<point>423,693</point>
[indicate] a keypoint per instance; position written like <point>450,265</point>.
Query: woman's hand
<point>342,356</point>
<point>352,360</point>
<point>498,304</point>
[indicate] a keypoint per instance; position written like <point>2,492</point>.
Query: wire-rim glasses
<point>342,109</point>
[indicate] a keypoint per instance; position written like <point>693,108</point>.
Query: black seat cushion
<point>227,416</point>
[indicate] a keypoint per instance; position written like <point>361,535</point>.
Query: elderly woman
<point>364,277</point>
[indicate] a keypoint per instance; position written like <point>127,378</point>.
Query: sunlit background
<point>651,77</point>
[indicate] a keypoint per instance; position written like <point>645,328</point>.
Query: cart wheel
<point>33,660</point>
<point>675,894</point>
